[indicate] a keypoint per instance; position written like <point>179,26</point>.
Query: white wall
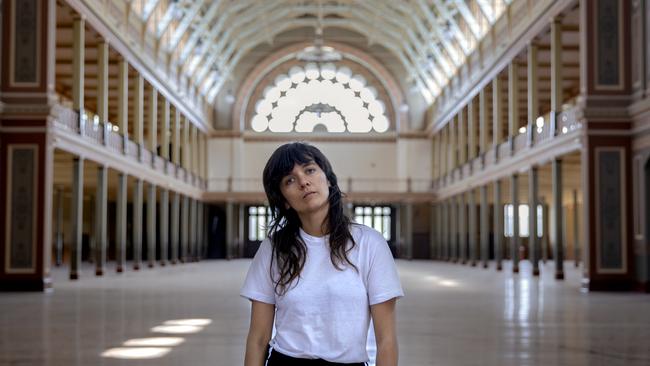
<point>371,160</point>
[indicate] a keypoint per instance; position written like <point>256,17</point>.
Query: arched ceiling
<point>209,39</point>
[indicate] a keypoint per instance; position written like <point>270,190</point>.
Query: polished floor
<point>451,315</point>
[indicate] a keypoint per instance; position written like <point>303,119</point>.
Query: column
<point>176,147</point>
<point>201,231</point>
<point>556,74</point>
<point>102,86</point>
<point>453,145</point>
<point>462,138</point>
<point>120,223</point>
<point>444,153</point>
<point>185,213</point>
<point>230,229</point>
<point>473,243</point>
<point>76,216</point>
<point>471,128</point>
<point>78,63</point>
<point>26,149</point>
<point>445,230</point>
<point>175,226</point>
<point>533,242</point>
<point>137,224</point>
<point>164,133</point>
<point>513,103</point>
<point>123,102</point>
<point>607,155</point>
<point>533,93</point>
<point>101,205</point>
<point>485,227</point>
<point>58,244</point>
<point>151,224</point>
<point>576,229</point>
<point>453,243</point>
<point>192,230</point>
<point>514,242</point>
<point>498,225</point>
<point>163,226</point>
<point>194,146</point>
<point>483,126</point>
<point>556,218</point>
<point>497,114</point>
<point>545,230</point>
<point>462,232</point>
<point>153,122</point>
<point>408,230</point>
<point>185,149</point>
<point>138,111</point>
<point>433,231</point>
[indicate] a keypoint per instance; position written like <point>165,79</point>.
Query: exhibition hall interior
<point>501,147</point>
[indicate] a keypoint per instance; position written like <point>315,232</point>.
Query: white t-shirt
<point>326,315</point>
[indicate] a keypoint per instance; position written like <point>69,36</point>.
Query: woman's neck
<point>313,223</point>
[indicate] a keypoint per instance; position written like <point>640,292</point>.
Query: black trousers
<point>279,359</point>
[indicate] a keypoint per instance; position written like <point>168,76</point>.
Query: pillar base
<point>485,265</point>
<point>99,272</point>
<point>615,285</point>
<point>162,264</point>
<point>536,272</point>
<point>26,284</point>
<point>473,264</point>
<point>499,267</point>
<point>74,276</point>
<point>150,265</point>
<point>559,275</point>
<point>173,262</point>
<point>515,269</point>
<point>136,267</point>
<point>119,270</point>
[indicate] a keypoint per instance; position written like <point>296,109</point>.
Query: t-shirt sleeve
<point>258,284</point>
<point>383,280</point>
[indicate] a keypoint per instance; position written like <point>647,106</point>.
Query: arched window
<point>317,97</point>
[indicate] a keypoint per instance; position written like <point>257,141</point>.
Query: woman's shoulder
<point>366,235</point>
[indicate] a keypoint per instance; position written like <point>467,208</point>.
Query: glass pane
<point>377,210</point>
<point>377,223</point>
<point>252,210</point>
<point>358,210</point>
<point>367,220</point>
<point>386,230</point>
<point>367,210</point>
<point>540,221</point>
<point>252,228</point>
<point>386,210</point>
<point>358,219</point>
<point>261,228</point>
<point>523,221</point>
<point>507,220</point>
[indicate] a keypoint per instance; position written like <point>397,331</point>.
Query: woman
<point>319,276</point>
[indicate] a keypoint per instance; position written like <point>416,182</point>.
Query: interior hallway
<point>450,316</point>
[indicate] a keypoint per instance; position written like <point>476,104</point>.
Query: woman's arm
<point>259,333</point>
<point>383,318</point>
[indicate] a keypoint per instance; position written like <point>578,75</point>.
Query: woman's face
<point>306,188</point>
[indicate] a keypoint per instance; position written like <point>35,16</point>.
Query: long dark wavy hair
<point>289,250</point>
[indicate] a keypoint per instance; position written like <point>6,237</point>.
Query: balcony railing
<point>348,185</point>
<point>89,128</point>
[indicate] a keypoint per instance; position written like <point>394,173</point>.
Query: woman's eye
<point>311,170</point>
<point>288,181</point>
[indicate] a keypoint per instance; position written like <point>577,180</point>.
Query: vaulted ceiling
<point>209,39</point>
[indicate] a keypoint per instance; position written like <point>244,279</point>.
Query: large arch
<point>285,58</point>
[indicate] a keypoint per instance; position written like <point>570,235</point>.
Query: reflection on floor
<point>451,315</point>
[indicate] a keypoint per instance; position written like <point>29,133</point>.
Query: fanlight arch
<point>320,95</point>
<point>356,94</point>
